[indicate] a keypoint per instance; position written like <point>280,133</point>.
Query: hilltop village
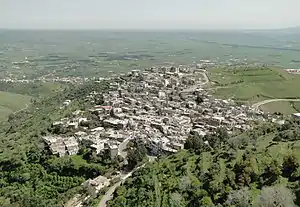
<point>159,106</point>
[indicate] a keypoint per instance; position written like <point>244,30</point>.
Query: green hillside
<point>16,96</point>
<point>254,84</point>
<point>258,168</point>
<point>37,89</point>
<point>29,176</point>
<point>11,102</point>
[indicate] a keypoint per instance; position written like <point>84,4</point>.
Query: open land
<point>10,102</point>
<point>254,84</point>
<point>94,53</point>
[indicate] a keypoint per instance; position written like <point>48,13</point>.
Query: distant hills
<point>288,29</point>
<point>293,29</point>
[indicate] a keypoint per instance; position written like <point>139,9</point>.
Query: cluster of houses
<point>293,71</point>
<point>160,106</point>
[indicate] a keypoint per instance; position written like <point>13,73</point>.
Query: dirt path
<point>26,107</point>
<point>257,105</point>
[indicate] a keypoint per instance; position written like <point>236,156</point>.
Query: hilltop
<point>79,143</point>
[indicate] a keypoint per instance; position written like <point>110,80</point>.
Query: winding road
<point>122,148</point>
<point>194,87</point>
<point>206,80</point>
<point>26,107</point>
<point>257,105</point>
<point>109,194</point>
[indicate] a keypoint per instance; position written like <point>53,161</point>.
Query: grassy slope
<point>10,102</point>
<point>284,107</point>
<point>255,85</point>
<point>32,89</point>
<point>15,96</point>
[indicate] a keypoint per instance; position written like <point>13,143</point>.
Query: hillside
<point>258,168</point>
<point>253,84</point>
<point>29,176</point>
<point>17,96</point>
<point>11,102</point>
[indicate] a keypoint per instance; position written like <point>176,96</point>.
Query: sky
<point>149,14</point>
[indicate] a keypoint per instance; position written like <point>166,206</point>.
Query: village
<point>160,106</point>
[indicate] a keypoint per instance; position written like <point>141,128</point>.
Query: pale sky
<point>149,14</point>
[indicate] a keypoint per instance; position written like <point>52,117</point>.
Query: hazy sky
<point>149,14</point>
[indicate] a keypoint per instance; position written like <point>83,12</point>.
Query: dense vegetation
<point>257,168</point>
<point>28,175</point>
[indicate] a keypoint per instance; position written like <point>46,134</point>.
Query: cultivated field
<point>283,107</point>
<point>252,85</point>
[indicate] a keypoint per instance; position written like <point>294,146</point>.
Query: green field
<point>10,102</point>
<point>94,53</point>
<point>283,107</point>
<point>296,106</point>
<point>253,84</point>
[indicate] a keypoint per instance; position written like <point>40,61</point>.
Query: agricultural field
<point>283,107</point>
<point>16,96</point>
<point>94,53</point>
<point>10,102</point>
<point>296,106</point>
<point>254,84</point>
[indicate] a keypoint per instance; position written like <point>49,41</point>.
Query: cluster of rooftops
<point>161,106</point>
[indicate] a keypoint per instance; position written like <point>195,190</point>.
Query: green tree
<point>277,196</point>
<point>240,198</point>
<point>289,166</point>
<point>194,143</point>
<point>206,202</point>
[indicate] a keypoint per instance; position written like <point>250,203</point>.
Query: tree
<point>99,99</point>
<point>222,134</point>
<point>206,202</point>
<point>278,196</point>
<point>199,99</point>
<point>271,172</point>
<point>239,198</point>
<point>194,143</point>
<point>176,199</point>
<point>289,166</point>
<point>137,154</point>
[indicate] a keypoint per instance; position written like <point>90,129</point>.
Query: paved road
<point>194,87</point>
<point>206,80</point>
<point>257,105</point>
<point>109,194</point>
<point>122,148</point>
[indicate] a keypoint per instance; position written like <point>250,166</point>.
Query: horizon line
<point>149,29</point>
